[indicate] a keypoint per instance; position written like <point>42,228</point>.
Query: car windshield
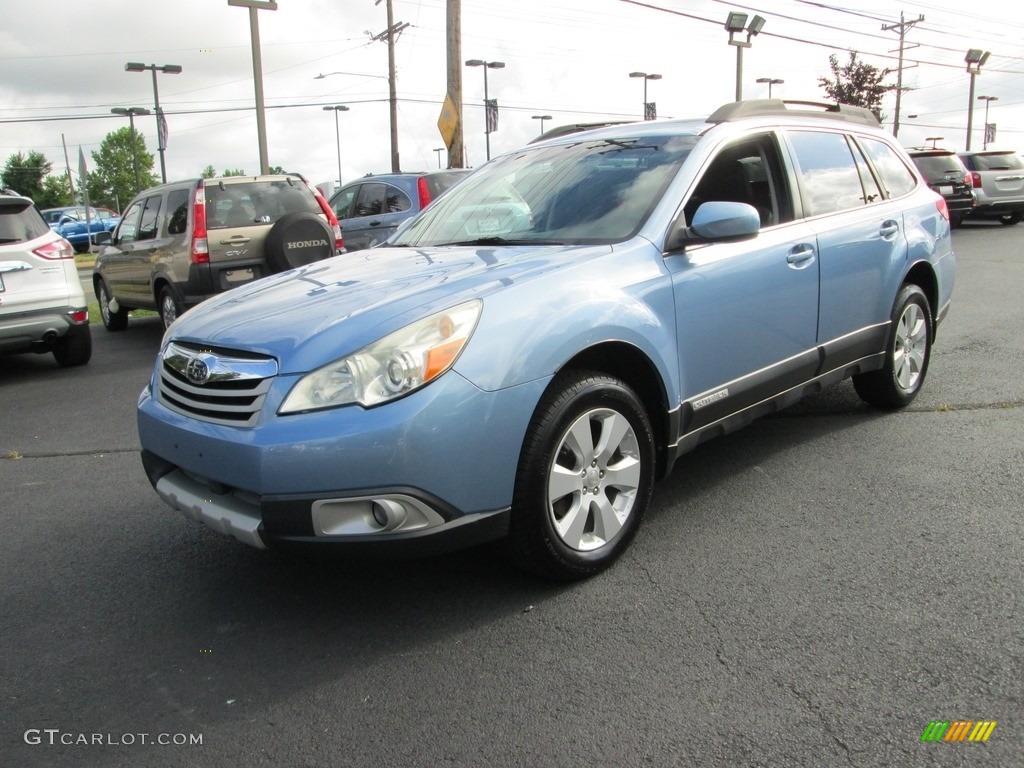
<point>999,161</point>
<point>589,191</point>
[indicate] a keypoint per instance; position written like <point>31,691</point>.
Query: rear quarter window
<point>896,177</point>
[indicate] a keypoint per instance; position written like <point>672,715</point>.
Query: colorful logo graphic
<point>958,730</point>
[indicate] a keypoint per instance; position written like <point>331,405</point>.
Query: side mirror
<point>67,220</point>
<point>102,238</point>
<point>715,222</point>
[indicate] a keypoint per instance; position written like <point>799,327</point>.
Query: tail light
<point>200,244</point>
<point>332,220</point>
<point>940,204</point>
<point>56,250</point>
<point>424,192</point>
<point>975,179</point>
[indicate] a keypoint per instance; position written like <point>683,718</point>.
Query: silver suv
<point>179,244</point>
<point>998,177</point>
<point>42,304</point>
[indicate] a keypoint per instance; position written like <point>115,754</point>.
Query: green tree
<point>112,180</point>
<point>56,192</point>
<point>233,172</point>
<point>24,173</point>
<point>277,170</point>
<point>208,172</point>
<point>857,84</point>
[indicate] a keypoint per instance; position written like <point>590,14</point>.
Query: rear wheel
<point>170,307</point>
<point>112,321</point>
<point>907,353</point>
<point>1011,218</point>
<point>584,479</point>
<point>74,347</point>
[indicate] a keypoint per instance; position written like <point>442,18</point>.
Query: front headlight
<point>394,366</point>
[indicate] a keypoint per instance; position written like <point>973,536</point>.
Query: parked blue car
<point>70,223</point>
<point>531,352</point>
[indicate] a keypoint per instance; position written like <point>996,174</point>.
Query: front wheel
<point>584,479</point>
<point>112,321</point>
<point>170,307</point>
<point>907,353</point>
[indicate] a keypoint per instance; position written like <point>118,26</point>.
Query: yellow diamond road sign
<point>448,121</point>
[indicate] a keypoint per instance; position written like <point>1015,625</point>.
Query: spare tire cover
<point>297,239</point>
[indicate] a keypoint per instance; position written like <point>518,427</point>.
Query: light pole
<point>132,112</point>
<point>487,102</point>
<point>337,132</point>
<point>161,123</point>
<point>975,59</point>
<point>649,111</point>
<point>257,71</point>
<point>988,101</point>
<point>771,81</point>
<point>439,150</point>
<point>737,22</point>
<point>542,118</point>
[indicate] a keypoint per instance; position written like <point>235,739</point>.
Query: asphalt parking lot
<point>813,590</point>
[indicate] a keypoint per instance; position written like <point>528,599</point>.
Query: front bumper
<point>429,473</point>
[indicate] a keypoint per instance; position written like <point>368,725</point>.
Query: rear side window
<point>20,221</point>
<point>828,172</point>
<point>377,198</point>
<point>897,179</point>
<point>177,209</point>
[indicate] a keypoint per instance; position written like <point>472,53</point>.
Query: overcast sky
<point>63,71</point>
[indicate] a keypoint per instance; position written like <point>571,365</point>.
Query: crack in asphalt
<point>14,455</point>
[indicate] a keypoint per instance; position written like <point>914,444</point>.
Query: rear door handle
<point>889,229</point>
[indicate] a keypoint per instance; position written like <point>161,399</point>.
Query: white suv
<point>42,304</point>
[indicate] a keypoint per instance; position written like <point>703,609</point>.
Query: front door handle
<point>800,255</point>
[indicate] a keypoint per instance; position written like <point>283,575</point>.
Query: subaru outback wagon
<point>530,353</point>
<point>180,243</point>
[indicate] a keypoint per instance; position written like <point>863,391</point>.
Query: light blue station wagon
<point>531,352</point>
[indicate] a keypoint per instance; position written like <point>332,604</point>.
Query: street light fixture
<point>161,123</point>
<point>487,102</point>
<point>337,132</point>
<point>649,110</point>
<point>542,118</point>
<point>771,81</point>
<point>975,60</point>
<point>131,112</point>
<point>988,101</point>
<point>737,22</point>
<point>439,150</point>
<point>934,140</point>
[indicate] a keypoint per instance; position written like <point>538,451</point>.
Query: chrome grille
<point>217,386</point>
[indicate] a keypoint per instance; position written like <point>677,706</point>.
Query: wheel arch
<point>923,276</point>
<point>628,363</point>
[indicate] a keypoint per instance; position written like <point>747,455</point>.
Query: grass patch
<point>85,260</point>
<point>95,318</point>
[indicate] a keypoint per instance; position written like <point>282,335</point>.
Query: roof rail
<point>768,107</point>
<point>565,130</point>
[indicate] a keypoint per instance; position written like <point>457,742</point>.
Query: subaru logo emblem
<point>197,371</point>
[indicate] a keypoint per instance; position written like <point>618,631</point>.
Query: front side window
<point>587,191</point>
<point>127,230</point>
<point>150,218</point>
<point>829,177</point>
<point>749,171</point>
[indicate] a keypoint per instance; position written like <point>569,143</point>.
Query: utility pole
<point>390,34</point>
<point>456,150</point>
<point>903,26</point>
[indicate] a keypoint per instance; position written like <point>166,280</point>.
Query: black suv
<point>946,174</point>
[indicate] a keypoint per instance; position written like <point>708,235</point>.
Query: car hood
<point>310,316</point>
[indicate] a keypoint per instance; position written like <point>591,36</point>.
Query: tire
<point>169,307</point>
<point>1010,219</point>
<point>576,506</point>
<point>297,239</point>
<point>112,321</point>
<point>74,347</point>
<point>81,247</point>
<point>907,353</point>
<point>956,221</point>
